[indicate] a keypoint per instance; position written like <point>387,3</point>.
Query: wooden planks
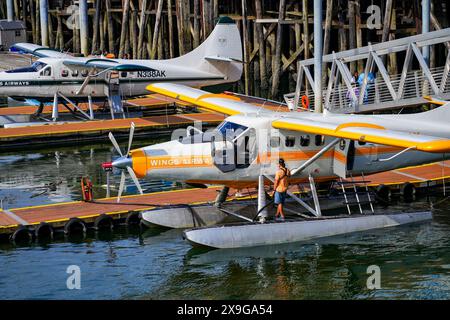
<point>105,125</point>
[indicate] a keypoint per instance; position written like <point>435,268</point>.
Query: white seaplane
<point>244,151</point>
<point>218,60</point>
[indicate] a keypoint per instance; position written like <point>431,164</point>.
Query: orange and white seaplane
<point>245,148</point>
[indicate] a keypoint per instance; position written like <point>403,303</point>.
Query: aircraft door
<point>343,157</point>
<point>223,153</point>
<point>368,156</point>
<point>46,73</point>
<point>245,148</point>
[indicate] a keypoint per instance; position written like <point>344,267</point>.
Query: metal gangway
<point>416,84</point>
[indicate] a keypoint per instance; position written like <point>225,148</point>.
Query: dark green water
<point>158,264</point>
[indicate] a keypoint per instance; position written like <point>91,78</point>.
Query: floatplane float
<point>243,151</point>
<point>58,76</point>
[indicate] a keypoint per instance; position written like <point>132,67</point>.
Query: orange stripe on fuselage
<point>376,149</point>
<point>339,156</point>
<point>142,163</point>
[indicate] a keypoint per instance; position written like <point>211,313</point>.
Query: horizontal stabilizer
<point>222,59</point>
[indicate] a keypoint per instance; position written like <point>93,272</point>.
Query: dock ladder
<point>114,96</point>
<point>355,194</point>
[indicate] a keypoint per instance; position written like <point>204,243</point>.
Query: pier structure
<point>275,33</point>
<point>376,89</point>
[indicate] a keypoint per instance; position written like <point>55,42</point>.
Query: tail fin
<point>220,53</point>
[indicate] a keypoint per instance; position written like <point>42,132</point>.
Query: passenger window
<point>84,73</point>
<point>304,140</point>
<point>75,73</point>
<point>289,142</point>
<point>64,73</point>
<point>361,143</point>
<point>319,140</point>
<point>274,142</point>
<point>123,74</point>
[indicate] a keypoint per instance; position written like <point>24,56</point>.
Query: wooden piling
<point>261,50</point>
<point>123,32</point>
<point>245,46</point>
<point>96,26</point>
<point>156,30</point>
<point>110,27</point>
<point>170,27</point>
<point>142,22</point>
<point>277,65</point>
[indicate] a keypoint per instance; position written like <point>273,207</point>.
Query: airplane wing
<point>366,132</point>
<point>102,63</point>
<point>353,127</point>
<point>40,51</point>
<point>223,103</point>
<point>69,60</point>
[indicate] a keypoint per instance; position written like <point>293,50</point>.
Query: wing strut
<point>316,156</point>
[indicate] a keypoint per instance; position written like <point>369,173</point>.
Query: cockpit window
<point>47,71</point>
<point>35,67</point>
<point>231,129</point>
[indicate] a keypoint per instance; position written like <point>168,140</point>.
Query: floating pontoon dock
<point>98,130</point>
<point>80,215</point>
<point>148,103</point>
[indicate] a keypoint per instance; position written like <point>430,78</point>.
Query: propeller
<point>124,162</point>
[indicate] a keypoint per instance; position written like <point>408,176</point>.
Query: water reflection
<point>332,268</point>
<point>53,175</point>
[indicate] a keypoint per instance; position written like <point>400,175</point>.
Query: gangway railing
<point>376,89</point>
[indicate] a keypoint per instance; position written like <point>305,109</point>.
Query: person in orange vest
<point>280,186</point>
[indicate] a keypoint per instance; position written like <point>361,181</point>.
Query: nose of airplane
<point>122,162</point>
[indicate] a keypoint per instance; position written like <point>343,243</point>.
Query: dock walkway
<point>149,102</point>
<point>98,130</point>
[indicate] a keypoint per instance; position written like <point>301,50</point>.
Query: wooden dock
<point>98,130</point>
<point>149,102</point>
<point>60,214</point>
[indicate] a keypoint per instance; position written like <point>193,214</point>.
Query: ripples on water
<point>158,264</point>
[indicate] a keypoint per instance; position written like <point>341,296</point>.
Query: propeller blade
<point>115,144</point>
<point>130,138</point>
<point>135,179</point>
<point>121,185</point>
